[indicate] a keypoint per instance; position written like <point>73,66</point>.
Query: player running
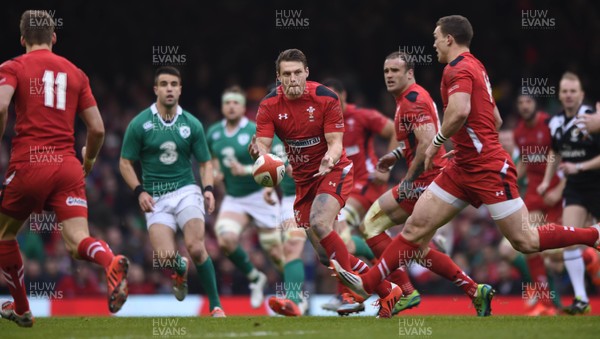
<point>308,119</point>
<point>43,171</point>
<point>163,138</point>
<point>533,140</point>
<point>361,126</point>
<point>228,142</point>
<point>481,173</point>
<point>577,154</point>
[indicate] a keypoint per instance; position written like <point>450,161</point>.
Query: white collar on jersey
<point>243,122</point>
<point>155,112</point>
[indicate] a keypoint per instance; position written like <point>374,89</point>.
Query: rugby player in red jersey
<point>532,137</point>
<point>361,126</point>
<point>43,172</point>
<point>307,117</point>
<point>481,172</point>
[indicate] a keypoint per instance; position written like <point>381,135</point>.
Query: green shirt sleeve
<point>132,142</point>
<point>200,146</point>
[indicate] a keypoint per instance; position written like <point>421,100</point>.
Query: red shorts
<point>35,187</point>
<point>337,183</point>
<point>419,186</point>
<point>366,192</point>
<point>494,183</point>
<point>535,202</point>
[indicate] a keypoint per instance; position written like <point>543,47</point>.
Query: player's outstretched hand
<point>209,202</point>
<point>253,148</point>
<point>326,166</point>
<point>269,196</point>
<point>146,202</point>
<point>87,163</point>
<point>386,162</point>
<point>429,155</point>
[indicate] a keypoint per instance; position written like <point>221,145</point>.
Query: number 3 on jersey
<point>61,89</point>
<point>169,154</point>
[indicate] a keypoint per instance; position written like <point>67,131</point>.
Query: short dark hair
<point>291,55</point>
<point>166,70</point>
<point>410,64</point>
<point>334,84</point>
<point>37,27</point>
<point>459,27</point>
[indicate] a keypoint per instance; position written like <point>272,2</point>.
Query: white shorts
<point>168,208</point>
<point>287,208</point>
<point>264,215</point>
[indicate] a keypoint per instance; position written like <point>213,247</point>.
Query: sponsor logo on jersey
<point>243,139</point>
<point>74,201</point>
<point>148,125</point>
<point>304,143</point>
<point>283,116</point>
<point>216,135</point>
<point>184,131</point>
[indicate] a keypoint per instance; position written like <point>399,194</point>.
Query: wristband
<point>138,190</point>
<point>248,169</point>
<point>439,139</point>
<point>396,152</point>
<point>208,188</point>
<point>579,167</point>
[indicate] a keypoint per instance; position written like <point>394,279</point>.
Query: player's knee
<point>350,215</point>
<point>293,243</point>
<point>524,243</point>
<point>197,251</point>
<point>228,234</point>
<point>271,241</point>
<point>376,221</point>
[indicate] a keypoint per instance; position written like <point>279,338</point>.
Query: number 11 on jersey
<point>61,89</point>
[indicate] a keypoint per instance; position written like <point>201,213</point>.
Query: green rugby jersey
<point>165,149</point>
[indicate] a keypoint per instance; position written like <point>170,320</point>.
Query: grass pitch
<point>308,327</point>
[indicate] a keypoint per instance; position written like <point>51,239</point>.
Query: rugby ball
<point>268,170</point>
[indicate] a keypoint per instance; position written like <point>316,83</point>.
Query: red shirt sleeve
<point>376,121</point>
<point>459,80</point>
<point>264,122</point>
<point>8,73</point>
<point>333,117</point>
<point>417,114</point>
<point>86,98</point>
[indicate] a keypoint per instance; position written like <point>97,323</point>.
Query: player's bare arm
<point>551,168</point>
<point>497,118</point>
<point>259,146</point>
<point>382,175</point>
<point>217,174</point>
<point>207,177</point>
<point>554,195</point>
<point>570,168</point>
<point>95,137</point>
<point>333,154</point>
<point>6,94</point>
<point>128,173</point>
<point>457,112</point>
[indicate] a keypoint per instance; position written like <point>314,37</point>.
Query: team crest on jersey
<point>311,116</point>
<point>148,125</point>
<point>184,131</point>
<point>575,134</point>
<point>243,139</point>
<point>216,135</point>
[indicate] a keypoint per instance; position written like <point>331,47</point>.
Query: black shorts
<point>587,196</point>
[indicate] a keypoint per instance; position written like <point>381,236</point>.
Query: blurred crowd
<point>122,84</point>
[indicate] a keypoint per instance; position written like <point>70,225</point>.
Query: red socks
<point>378,243</point>
<point>557,236</point>
<point>443,265</point>
<point>537,269</point>
<point>11,265</point>
<point>336,249</point>
<point>96,251</point>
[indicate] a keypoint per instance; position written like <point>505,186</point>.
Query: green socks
<point>362,249</point>
<point>520,263</point>
<point>208,279</point>
<point>179,266</point>
<point>240,259</point>
<point>293,279</point>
